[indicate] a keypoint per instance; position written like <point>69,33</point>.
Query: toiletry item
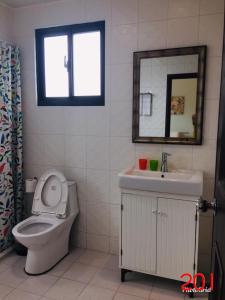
<point>30,185</point>
<point>154,165</point>
<point>143,163</point>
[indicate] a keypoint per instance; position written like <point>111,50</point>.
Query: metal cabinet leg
<point>123,274</point>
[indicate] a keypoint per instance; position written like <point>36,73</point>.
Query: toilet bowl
<point>46,233</point>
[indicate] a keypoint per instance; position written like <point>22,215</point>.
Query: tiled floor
<point>82,275</point>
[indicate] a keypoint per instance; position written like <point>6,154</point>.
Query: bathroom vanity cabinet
<point>158,233</point>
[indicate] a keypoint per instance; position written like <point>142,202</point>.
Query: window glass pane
<point>56,75</point>
<point>87,64</point>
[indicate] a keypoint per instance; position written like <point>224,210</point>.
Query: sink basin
<point>182,182</point>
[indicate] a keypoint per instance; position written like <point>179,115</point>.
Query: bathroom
<point>92,144</point>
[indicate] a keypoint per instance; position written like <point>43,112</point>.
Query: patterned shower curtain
<point>11,180</point>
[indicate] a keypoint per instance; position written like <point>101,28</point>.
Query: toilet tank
<point>73,206</point>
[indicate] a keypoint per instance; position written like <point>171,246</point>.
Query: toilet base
<point>31,274</point>
<point>42,259</point>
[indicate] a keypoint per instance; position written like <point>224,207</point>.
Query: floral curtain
<point>11,180</point>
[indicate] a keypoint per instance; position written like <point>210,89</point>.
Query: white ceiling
<point>20,3</point>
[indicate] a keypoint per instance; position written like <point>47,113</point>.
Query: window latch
<point>66,65</point>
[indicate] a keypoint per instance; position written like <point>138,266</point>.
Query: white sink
<point>182,182</point>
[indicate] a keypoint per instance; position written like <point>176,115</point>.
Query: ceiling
<point>20,3</point>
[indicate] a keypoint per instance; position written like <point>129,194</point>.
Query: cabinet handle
<point>159,212</point>
<point>154,211</point>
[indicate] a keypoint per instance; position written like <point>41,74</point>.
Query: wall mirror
<point>168,95</point>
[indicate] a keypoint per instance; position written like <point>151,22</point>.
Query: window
<point>70,63</point>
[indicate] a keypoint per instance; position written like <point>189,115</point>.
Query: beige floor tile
<point>84,275</point>
<point>198,296</point>
<point>11,258</point>
<point>4,290</point>
<point>3,267</point>
<point>21,295</point>
<point>94,258</point>
<point>120,296</point>
<point>112,263</point>
<point>14,275</point>
<point>60,268</point>
<point>164,289</point>
<point>105,278</point>
<point>96,293</point>
<point>137,284</point>
<point>80,272</point>
<point>38,284</point>
<point>74,254</point>
<point>65,289</point>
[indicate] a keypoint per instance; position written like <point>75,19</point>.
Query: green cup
<point>154,165</point>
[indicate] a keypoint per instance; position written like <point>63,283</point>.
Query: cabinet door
<point>138,233</point>
<point>176,237</point>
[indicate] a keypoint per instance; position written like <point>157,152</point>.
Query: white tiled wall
<point>5,23</point>
<point>92,144</point>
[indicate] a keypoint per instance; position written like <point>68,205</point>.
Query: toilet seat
<point>34,228</point>
<point>37,230</point>
<point>51,194</point>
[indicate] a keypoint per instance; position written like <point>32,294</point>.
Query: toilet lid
<point>51,194</point>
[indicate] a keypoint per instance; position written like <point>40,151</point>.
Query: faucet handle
<point>168,154</point>
<point>165,154</point>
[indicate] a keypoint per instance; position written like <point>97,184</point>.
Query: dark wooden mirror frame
<point>201,52</point>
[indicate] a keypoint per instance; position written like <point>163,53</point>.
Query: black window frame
<point>68,30</point>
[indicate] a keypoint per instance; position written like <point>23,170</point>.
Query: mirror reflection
<point>168,96</point>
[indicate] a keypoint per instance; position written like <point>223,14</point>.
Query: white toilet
<point>46,233</point>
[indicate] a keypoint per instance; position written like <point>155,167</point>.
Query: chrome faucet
<point>164,166</point>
